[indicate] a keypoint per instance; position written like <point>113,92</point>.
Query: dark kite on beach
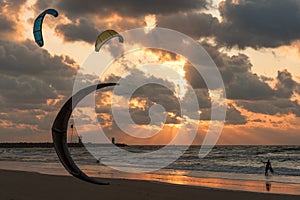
<point>59,132</point>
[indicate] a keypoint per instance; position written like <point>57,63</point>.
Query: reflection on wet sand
<point>254,186</point>
<point>175,177</point>
<point>268,186</point>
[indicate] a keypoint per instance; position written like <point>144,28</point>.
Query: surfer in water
<point>268,167</point>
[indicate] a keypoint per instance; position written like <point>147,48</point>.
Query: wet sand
<point>15,185</point>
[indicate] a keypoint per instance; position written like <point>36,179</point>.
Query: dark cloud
<point>194,24</point>
<point>274,101</point>
<point>248,89</point>
<point>129,8</point>
<point>33,86</point>
<point>27,58</point>
<point>153,93</point>
<point>238,63</point>
<point>25,90</point>
<point>272,107</point>
<point>43,5</point>
<point>203,98</point>
<point>8,17</point>
<point>285,84</point>
<point>156,94</point>
<point>193,77</point>
<point>229,66</point>
<point>90,17</point>
<point>83,30</point>
<point>252,23</point>
<point>11,5</point>
<point>161,95</point>
<point>248,86</point>
<point>266,79</point>
<point>233,116</point>
<point>6,25</point>
<point>240,82</point>
<point>30,76</point>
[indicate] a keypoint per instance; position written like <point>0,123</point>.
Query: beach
<point>224,169</point>
<point>16,185</point>
<point>29,185</point>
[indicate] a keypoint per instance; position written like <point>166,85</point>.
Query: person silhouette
<point>268,167</point>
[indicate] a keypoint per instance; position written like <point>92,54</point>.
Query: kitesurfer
<point>268,167</point>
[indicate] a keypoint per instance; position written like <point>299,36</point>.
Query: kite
<point>37,27</point>
<point>59,132</point>
<point>105,36</point>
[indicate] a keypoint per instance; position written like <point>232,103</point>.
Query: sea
<point>225,167</point>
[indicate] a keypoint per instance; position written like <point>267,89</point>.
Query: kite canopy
<point>105,36</point>
<point>37,27</point>
<point>59,132</point>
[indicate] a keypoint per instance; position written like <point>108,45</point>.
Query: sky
<point>254,44</point>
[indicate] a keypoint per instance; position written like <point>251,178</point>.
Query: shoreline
<point>32,185</point>
<point>174,179</point>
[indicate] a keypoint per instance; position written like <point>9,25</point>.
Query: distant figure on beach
<point>113,140</point>
<point>268,167</point>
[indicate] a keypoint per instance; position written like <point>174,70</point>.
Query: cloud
<point>251,92</point>
<point>23,91</point>
<point>33,86</point>
<point>285,84</point>
<point>194,24</point>
<point>193,77</point>
<point>83,30</point>
<point>272,107</point>
<point>248,86</point>
<point>240,82</point>
<point>153,94</point>
<point>229,66</point>
<point>89,17</point>
<point>251,23</point>
<point>248,23</point>
<point>9,17</point>
<point>152,91</point>
<point>129,8</point>
<point>6,25</point>
<point>86,30</point>
<point>27,58</point>
<point>234,116</point>
<point>203,98</point>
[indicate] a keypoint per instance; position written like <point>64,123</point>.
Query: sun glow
<point>138,103</point>
<point>180,82</point>
<point>150,22</point>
